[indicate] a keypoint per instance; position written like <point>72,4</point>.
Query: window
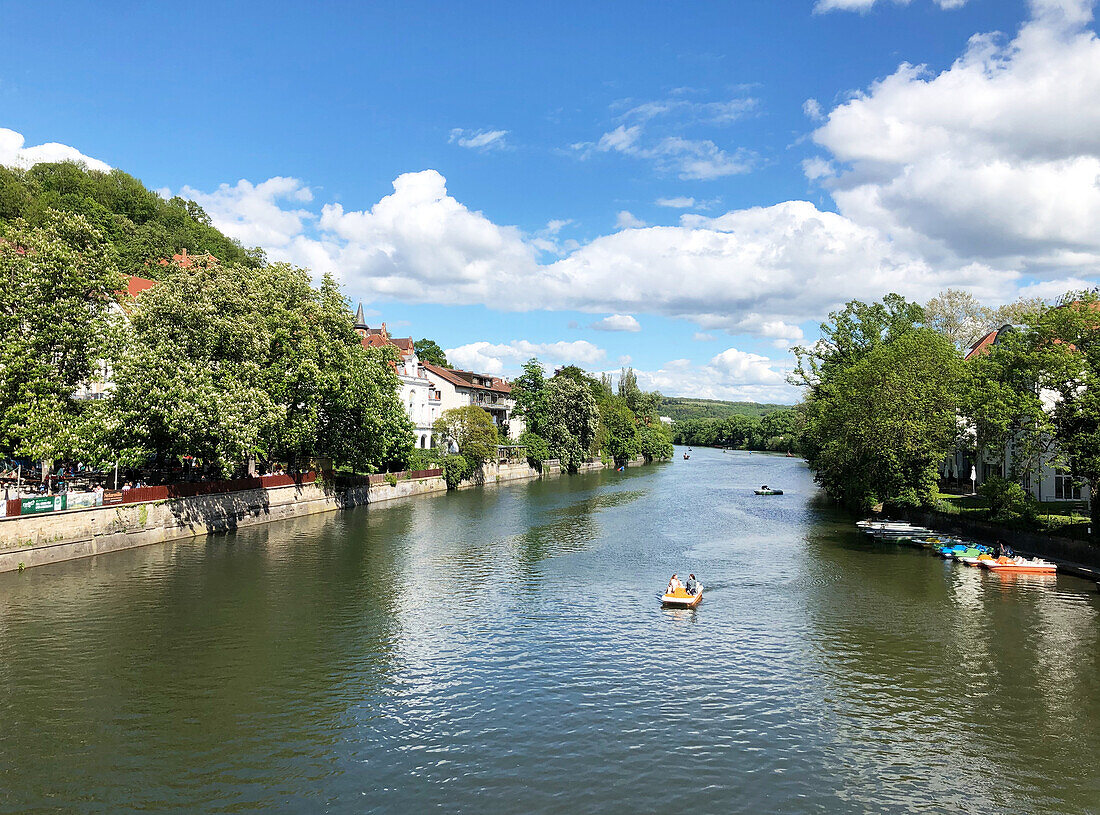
<point>1065,488</point>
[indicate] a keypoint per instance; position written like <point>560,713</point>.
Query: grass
<point>1066,518</point>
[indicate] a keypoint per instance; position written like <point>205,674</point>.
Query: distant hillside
<point>141,225</point>
<point>680,408</point>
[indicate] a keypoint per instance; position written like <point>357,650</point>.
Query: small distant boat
<point>681,599</point>
<point>790,454</point>
<point>686,456</point>
<point>766,490</point>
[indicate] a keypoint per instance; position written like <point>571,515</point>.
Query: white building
<point>420,397</point>
<point>491,393</point>
<point>1041,478</point>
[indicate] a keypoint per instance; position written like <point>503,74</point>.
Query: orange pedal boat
<point>1019,565</point>
<point>681,599</point>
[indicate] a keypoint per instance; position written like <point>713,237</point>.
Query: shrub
<point>391,479</point>
<point>537,448</point>
<point>425,459</point>
<point>1007,500</point>
<point>455,468</point>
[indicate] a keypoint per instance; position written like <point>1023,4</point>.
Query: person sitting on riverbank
<point>673,585</point>
<point>692,587</point>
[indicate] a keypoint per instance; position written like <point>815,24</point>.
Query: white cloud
<point>13,153</point>
<point>994,160</point>
<point>252,213</point>
<point>762,270</point>
<point>817,168</point>
<point>479,139</point>
<point>490,358</point>
<point>626,220</point>
<point>698,159</point>
<point>733,374</point>
<point>702,336</point>
<point>866,5</point>
<point>680,202</point>
<point>812,108</point>
<point>617,322</point>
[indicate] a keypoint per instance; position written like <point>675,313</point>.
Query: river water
<point>503,650</point>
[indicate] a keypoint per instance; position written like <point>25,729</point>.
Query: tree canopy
<point>60,284</point>
<point>430,352</point>
<point>139,224</point>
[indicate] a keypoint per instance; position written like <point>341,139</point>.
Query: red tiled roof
<point>983,345</point>
<point>136,285</point>
<point>465,379</point>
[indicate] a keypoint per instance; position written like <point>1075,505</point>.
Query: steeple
<point>360,320</point>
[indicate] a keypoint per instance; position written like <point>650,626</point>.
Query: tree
<point>958,316</point>
<point>655,442</point>
<point>619,430</point>
<point>429,351</point>
<point>880,427</point>
<point>472,430</point>
<point>572,421</point>
<point>60,284</point>
<point>529,392</point>
<point>227,362</point>
<point>851,334</point>
<point>1069,338</point>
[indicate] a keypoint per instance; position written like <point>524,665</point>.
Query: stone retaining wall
<point>34,540</point>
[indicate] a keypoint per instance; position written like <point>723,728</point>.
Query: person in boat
<point>673,585</point>
<point>1001,549</point>
<point>692,586</point>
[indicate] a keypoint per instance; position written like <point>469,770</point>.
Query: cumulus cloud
<point>733,374</point>
<point>626,220</point>
<point>253,214</point>
<point>497,358</point>
<point>479,139</point>
<point>15,153</point>
<point>617,322</point>
<point>993,160</point>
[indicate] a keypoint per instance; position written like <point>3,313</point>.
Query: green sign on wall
<point>44,503</point>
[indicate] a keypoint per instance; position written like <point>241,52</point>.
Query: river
<point>503,650</point>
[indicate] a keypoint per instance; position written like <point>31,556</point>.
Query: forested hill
<point>680,408</point>
<point>142,226</point>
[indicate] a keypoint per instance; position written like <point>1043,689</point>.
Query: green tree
<point>227,362</point>
<point>472,430</point>
<point>880,428</point>
<point>1068,339</point>
<point>655,442</point>
<point>60,283</point>
<point>537,451</point>
<point>529,392</point>
<point>429,351</point>
<point>572,421</point>
<point>619,428</point>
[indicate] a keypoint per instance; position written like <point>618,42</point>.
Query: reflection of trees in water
<point>211,649</point>
<point>924,661</point>
<point>573,528</point>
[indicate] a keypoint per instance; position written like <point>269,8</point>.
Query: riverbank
<point>36,540</point>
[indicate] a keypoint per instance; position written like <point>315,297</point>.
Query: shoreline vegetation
<point>890,402</point>
<point>229,365</point>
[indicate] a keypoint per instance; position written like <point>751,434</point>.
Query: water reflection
<point>504,649</point>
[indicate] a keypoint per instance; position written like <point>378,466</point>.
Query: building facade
<point>419,395</point>
<point>490,393</point>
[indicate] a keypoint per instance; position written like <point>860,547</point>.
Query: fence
<point>56,503</point>
<point>380,478</point>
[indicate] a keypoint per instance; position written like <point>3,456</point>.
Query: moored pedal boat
<point>1019,565</point>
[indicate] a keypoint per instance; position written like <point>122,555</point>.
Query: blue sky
<point>713,177</point>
